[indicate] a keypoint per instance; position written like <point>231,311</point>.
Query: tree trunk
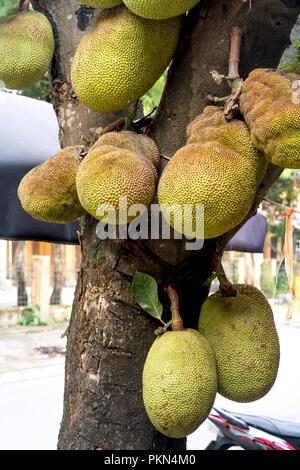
<point>109,335</point>
<point>58,274</point>
<point>19,262</point>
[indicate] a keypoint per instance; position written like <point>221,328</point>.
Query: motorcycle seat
<point>270,425</point>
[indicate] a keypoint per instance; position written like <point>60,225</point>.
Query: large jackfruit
<point>219,169</point>
<point>101,3</point>
<point>120,165</point>
<point>159,9</point>
<point>121,57</point>
<point>26,49</point>
<point>243,336</point>
<point>179,382</point>
<point>271,109</point>
<point>48,191</point>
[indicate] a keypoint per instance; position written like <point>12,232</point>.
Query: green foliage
<point>292,65</point>
<point>235,272</point>
<point>7,7</point>
<point>267,282</point>
<point>282,284</point>
<point>273,286</point>
<point>31,316</point>
<point>41,91</point>
<point>145,291</point>
<point>284,191</point>
<point>152,98</point>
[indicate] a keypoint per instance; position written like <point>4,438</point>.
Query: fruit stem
<point>177,323</point>
<point>226,287</point>
<point>234,81</point>
<point>236,37</point>
<point>24,5</point>
<point>127,121</point>
<point>114,126</point>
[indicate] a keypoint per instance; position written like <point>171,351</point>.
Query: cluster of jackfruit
<point>235,353</point>
<point>26,49</point>
<point>118,172</point>
<point>218,168</point>
<point>271,109</point>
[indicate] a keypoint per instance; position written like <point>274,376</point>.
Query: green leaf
<point>145,292</point>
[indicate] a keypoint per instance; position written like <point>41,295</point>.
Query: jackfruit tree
<point>109,334</point>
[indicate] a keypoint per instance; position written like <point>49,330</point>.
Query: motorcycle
<point>250,432</point>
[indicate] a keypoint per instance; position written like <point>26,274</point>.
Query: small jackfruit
<point>218,169</point>
<point>116,174</point>
<point>159,9</point>
<point>179,382</point>
<point>128,140</point>
<point>101,3</point>
<point>272,111</point>
<point>242,333</point>
<point>48,191</point>
<point>121,57</point>
<point>26,49</point>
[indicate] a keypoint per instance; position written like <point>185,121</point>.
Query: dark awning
<point>251,237</point>
<point>28,137</point>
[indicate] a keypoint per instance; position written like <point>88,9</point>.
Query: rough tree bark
<point>108,335</point>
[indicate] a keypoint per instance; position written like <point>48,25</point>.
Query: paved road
<point>31,387</point>
<point>30,413</point>
<point>31,390</point>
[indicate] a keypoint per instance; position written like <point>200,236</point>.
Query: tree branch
<point>24,5</point>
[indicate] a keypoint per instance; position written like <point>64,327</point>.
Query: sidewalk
<point>21,359</point>
<point>28,353</point>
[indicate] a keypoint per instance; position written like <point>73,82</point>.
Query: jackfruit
<point>121,57</point>
<point>132,141</point>
<point>101,3</point>
<point>48,191</point>
<point>116,174</point>
<point>179,382</point>
<point>219,169</point>
<point>242,333</point>
<point>270,106</point>
<point>159,9</point>
<point>26,49</point>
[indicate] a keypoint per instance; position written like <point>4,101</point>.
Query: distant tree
<point>19,262</point>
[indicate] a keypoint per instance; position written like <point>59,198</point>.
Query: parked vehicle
<point>251,432</point>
